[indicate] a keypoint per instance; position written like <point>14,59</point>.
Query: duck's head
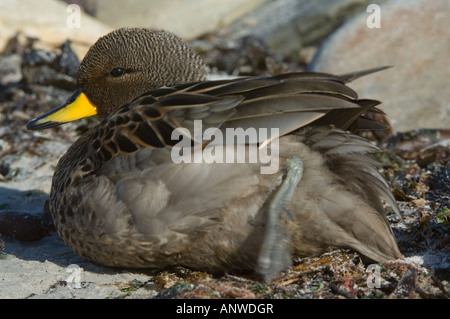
<point>121,66</point>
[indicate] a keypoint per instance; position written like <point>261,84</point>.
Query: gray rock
<point>10,69</point>
<point>289,25</point>
<point>414,39</point>
<point>50,68</point>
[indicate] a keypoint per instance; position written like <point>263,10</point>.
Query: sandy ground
<point>42,268</point>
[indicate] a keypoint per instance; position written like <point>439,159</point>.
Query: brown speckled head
<point>131,61</point>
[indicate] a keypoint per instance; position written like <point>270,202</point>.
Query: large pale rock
<point>50,22</point>
<point>414,38</point>
<point>187,18</point>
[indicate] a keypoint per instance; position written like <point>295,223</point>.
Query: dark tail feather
<point>349,77</point>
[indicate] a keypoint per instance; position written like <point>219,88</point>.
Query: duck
<point>151,186</point>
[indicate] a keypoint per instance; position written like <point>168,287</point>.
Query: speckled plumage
<point>117,198</point>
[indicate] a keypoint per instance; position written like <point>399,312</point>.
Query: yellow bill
<point>77,107</point>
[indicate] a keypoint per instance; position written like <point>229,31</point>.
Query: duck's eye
<point>117,72</point>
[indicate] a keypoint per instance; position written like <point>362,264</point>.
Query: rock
<point>24,226</point>
<point>241,57</point>
<point>27,73</point>
<point>187,18</point>
<point>10,69</point>
<point>49,22</point>
<point>287,26</point>
<point>58,69</point>
<point>276,37</point>
<point>414,39</point>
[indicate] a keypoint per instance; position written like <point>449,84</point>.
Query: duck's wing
<point>284,102</point>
